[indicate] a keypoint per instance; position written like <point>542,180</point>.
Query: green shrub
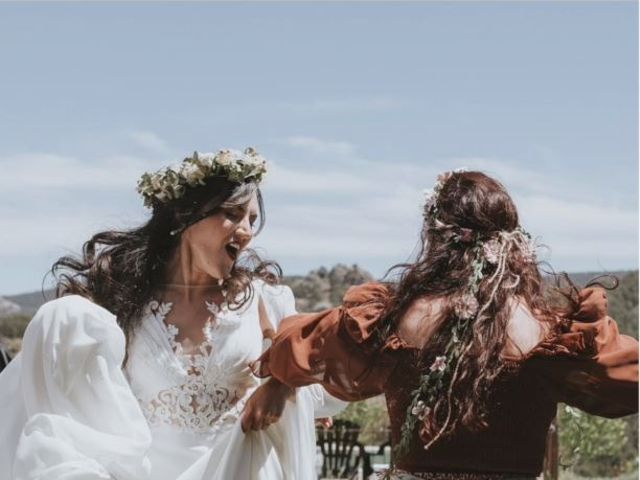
<point>14,326</point>
<point>593,446</point>
<point>372,417</point>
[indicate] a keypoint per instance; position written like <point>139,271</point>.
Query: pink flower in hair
<point>491,250</point>
<point>439,364</point>
<point>420,410</point>
<point>466,306</point>
<point>466,235</point>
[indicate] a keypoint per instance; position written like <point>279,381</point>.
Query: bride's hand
<point>265,406</point>
<point>325,422</point>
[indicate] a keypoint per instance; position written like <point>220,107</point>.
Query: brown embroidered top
<point>584,362</point>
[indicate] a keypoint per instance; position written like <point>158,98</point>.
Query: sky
<point>358,106</point>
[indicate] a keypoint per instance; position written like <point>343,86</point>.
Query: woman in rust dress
<point>471,356</point>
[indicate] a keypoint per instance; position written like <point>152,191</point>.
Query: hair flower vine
<point>488,255</point>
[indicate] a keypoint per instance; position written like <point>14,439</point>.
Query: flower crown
<point>171,183</point>
<point>488,254</point>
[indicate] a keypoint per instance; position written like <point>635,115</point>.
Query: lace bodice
<point>201,391</point>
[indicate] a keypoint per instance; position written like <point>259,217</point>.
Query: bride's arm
<point>81,418</point>
<point>266,405</point>
<point>333,348</point>
<point>268,402</point>
<point>336,348</point>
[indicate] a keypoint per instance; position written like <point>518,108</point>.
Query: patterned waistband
<point>404,475</point>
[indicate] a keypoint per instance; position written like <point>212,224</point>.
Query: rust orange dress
<point>584,362</point>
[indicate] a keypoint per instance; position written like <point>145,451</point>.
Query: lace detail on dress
<point>202,400</point>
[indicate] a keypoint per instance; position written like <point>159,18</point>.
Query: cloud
<point>284,179</point>
<point>149,141</point>
<point>511,174</point>
<point>581,233</point>
<point>52,171</point>
<point>539,181</point>
<point>350,178</point>
<point>369,211</point>
<point>319,146</point>
<point>57,227</point>
<point>349,209</point>
<point>348,105</point>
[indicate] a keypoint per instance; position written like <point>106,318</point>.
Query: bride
<point>139,370</point>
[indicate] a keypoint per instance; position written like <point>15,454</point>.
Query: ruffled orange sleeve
<point>335,347</point>
<point>587,362</point>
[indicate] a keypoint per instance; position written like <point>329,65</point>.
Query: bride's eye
<point>235,215</point>
<point>253,221</point>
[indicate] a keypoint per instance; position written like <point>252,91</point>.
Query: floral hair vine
<point>171,183</point>
<point>431,195</point>
<point>494,252</point>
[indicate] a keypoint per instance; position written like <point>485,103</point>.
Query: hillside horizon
<point>315,290</point>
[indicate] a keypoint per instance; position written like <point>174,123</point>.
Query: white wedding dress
<point>68,411</point>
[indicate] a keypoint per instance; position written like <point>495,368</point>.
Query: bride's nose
<point>244,232</point>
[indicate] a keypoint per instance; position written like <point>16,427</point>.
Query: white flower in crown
<point>163,196</point>
<point>193,173</point>
<point>439,364</point>
<point>156,181</point>
<point>225,157</point>
<point>206,157</point>
<point>466,306</point>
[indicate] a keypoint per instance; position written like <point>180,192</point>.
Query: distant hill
<point>582,278</point>
<point>323,288</point>
<point>314,291</point>
<point>7,307</point>
<point>30,302</point>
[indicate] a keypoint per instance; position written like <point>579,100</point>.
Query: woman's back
<point>581,360</point>
<point>425,315</point>
<point>520,409</point>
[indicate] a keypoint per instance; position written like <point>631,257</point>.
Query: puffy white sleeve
<point>66,407</point>
<point>280,303</point>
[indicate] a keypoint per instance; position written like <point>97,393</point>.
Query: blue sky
<point>357,105</point>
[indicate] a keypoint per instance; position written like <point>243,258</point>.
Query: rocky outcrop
<point>324,288</point>
<point>8,308</point>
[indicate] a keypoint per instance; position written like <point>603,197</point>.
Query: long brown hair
<point>121,270</point>
<point>467,202</point>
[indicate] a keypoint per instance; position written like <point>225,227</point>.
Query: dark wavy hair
<point>468,201</point>
<point>121,270</point>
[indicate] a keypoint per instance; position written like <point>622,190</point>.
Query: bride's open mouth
<point>233,250</point>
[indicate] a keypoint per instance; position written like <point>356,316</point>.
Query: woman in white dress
<point>140,369</point>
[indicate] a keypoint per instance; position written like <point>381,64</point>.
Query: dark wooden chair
<point>382,449</point>
<point>551,458</point>
<point>4,357</point>
<point>342,453</point>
